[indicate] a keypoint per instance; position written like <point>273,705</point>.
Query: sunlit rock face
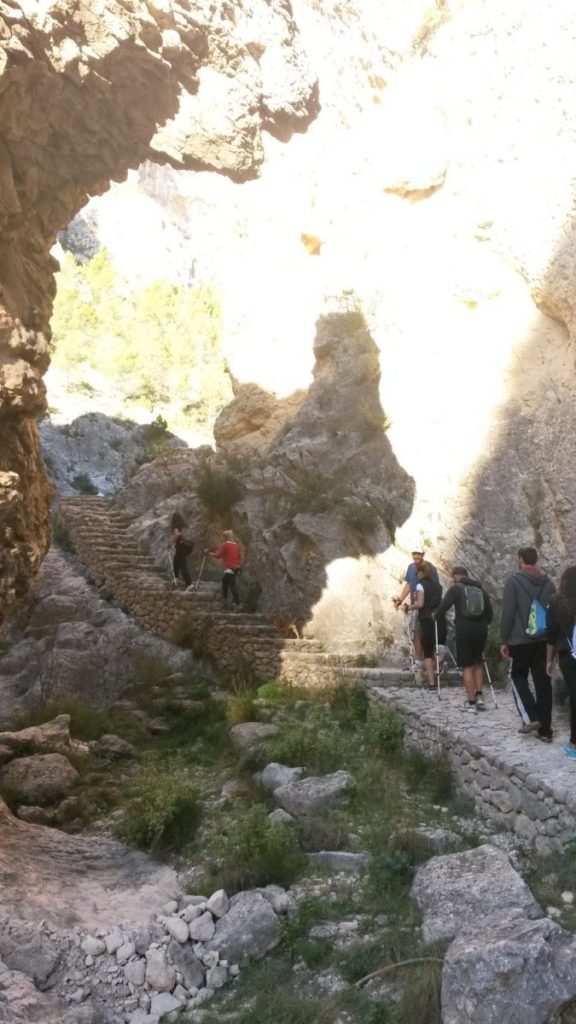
<point>437,181</point>
<point>85,94</point>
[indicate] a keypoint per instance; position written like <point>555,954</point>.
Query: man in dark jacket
<point>526,645</point>
<point>472,616</point>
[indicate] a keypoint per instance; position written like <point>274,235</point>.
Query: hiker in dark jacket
<point>472,616</point>
<point>183,545</point>
<point>560,622</point>
<point>427,597</point>
<point>527,594</point>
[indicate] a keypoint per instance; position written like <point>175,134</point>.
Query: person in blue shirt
<point>408,590</point>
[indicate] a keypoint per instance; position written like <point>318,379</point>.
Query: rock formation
<point>84,97</point>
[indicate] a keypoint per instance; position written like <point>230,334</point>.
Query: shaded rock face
<point>319,477</point>
<point>82,99</point>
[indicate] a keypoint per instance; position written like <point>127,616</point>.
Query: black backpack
<point>473,604</point>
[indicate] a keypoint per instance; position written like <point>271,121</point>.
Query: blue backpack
<point>536,625</point>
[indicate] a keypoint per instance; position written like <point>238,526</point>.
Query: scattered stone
<point>160,974</point>
<point>171,907</point>
<point>280,817</point>
<point>93,946</point>
<point>277,897</point>
<point>275,775</point>
<point>218,904</point>
<point>217,976</point>
<point>164,1003</point>
<point>192,913</point>
<point>135,972</point>
<point>458,889</point>
<point>204,995</point>
<point>124,952</point>
<point>340,860</point>
<point>192,901</point>
<point>35,815</point>
<point>113,941</point>
<point>187,964</point>
<point>40,779</point>
<point>315,794</point>
<point>177,928</point>
<point>567,898</point>
<point>249,929</point>
<point>113,748</point>
<point>439,840</point>
<point>248,735</point>
<point>233,788</point>
<point>202,929</point>
<point>508,968</point>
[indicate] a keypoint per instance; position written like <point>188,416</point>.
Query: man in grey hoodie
<point>526,645</point>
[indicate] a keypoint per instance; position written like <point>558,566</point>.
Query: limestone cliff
<point>86,93</point>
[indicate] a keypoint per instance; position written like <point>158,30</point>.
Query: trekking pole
<point>172,568</point>
<point>410,647</point>
<point>489,681</point>
<point>200,573</point>
<point>437,658</point>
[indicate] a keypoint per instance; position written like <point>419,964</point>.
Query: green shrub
<point>349,703</point>
<point>253,850</point>
<point>275,690</point>
<point>61,535</point>
<point>218,490</point>
<point>383,731</point>
<point>361,517</point>
<point>83,484</point>
<point>431,776</point>
<point>86,721</point>
<point>162,811</point>
<point>241,706</point>
<point>303,745</point>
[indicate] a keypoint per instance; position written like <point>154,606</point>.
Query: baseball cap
<point>417,551</point>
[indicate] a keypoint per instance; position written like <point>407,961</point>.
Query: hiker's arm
<point>214,554</point>
<point>446,603</point>
<point>402,595</point>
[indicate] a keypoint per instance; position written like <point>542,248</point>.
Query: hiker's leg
<point>478,671</point>
<point>177,561</point>
<point>225,587</point>
<point>543,687</point>
<point>468,678</point>
<point>417,639</point>
<point>568,669</point>
<point>183,555</point>
<point>520,654</point>
<point>233,588</point>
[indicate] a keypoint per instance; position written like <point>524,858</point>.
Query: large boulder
<point>458,889</point>
<point>249,929</point>
<point>509,969</point>
<point>40,779</point>
<point>26,948</point>
<point>54,735</point>
<point>248,735</point>
<point>316,794</point>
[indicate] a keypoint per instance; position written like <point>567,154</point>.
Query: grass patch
<point>86,721</point>
<point>241,706</point>
<point>218,490</point>
<point>162,811</point>
<point>251,850</point>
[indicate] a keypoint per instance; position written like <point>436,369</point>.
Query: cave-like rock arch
<point>89,90</point>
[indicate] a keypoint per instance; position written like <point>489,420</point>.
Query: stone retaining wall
<point>522,785</point>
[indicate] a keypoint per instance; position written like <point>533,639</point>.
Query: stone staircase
<point>234,641</point>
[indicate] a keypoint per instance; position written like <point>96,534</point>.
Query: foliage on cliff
<point>159,345</point>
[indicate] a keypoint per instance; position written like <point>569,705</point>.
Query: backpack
<point>474,605</point>
<point>536,625</point>
<point>187,538</point>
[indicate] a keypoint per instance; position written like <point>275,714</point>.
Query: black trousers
<point>180,566</point>
<point>229,584</point>
<point>531,657</point>
<point>568,669</point>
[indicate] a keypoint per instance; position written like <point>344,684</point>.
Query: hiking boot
<point>470,709</point>
<point>431,689</point>
<point>525,729</point>
<point>544,738</point>
<point>480,702</point>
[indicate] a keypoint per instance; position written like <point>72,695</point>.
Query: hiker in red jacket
<point>231,558</point>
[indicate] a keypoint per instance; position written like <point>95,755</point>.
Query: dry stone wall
<point>520,784</point>
<point>236,643</point>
